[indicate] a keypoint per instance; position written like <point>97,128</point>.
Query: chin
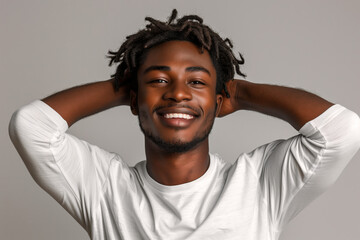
<point>175,146</point>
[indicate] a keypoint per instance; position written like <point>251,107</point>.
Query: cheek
<point>143,115</point>
<point>145,100</point>
<point>146,105</point>
<point>207,102</point>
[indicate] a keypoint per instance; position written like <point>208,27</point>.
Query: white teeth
<point>178,115</point>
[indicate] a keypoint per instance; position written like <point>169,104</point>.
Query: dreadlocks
<point>188,28</point>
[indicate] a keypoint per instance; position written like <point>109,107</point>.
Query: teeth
<point>178,115</point>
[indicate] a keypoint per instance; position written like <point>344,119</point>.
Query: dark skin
<point>179,79</point>
<point>183,82</point>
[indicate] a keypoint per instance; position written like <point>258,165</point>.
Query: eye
<point>154,81</point>
<point>196,82</point>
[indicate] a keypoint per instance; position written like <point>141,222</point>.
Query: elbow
<point>347,138</point>
<point>354,130</point>
<point>22,126</point>
<point>14,125</point>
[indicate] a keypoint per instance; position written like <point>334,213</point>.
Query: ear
<point>133,102</point>
<point>219,101</point>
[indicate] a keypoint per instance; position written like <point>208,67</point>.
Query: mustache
<point>198,111</point>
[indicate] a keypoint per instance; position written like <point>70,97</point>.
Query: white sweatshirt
<point>252,199</point>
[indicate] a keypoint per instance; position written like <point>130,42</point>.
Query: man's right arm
<point>71,170</point>
<point>78,102</point>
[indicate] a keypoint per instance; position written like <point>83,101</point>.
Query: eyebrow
<point>167,68</point>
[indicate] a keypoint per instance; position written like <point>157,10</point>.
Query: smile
<point>178,118</point>
<point>178,115</point>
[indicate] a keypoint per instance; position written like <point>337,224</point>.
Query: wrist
<point>239,94</point>
<point>121,96</point>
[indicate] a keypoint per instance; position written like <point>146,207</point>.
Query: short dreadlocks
<point>188,28</point>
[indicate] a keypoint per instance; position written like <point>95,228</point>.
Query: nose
<point>178,92</point>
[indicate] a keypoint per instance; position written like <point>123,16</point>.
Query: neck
<point>169,168</point>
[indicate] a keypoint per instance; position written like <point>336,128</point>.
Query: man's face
<point>176,100</point>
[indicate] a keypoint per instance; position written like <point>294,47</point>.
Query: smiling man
<point>177,78</point>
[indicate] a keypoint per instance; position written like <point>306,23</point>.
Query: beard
<point>177,145</point>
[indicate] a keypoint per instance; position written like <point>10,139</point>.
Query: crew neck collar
<point>181,187</point>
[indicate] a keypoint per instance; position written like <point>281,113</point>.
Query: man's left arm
<point>295,106</point>
<point>295,171</point>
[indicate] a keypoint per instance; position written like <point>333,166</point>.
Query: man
<point>177,77</point>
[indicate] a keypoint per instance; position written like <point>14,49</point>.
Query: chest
<point>227,208</point>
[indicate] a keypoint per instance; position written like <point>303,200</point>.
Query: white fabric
<point>252,199</point>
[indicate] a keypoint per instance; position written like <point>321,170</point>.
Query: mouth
<point>177,117</point>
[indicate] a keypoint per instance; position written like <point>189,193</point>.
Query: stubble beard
<point>178,146</point>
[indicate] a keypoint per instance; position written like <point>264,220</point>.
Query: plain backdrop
<point>47,46</point>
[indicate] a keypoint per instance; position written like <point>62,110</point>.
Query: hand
<point>232,104</point>
<point>124,88</point>
<point>123,92</point>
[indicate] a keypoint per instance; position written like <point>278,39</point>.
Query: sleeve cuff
<point>51,114</point>
<point>323,119</point>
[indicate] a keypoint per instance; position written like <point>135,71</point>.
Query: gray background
<point>47,46</point>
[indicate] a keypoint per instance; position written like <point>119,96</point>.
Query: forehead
<point>176,53</point>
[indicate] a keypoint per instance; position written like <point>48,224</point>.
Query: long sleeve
<point>70,170</point>
<point>295,171</point>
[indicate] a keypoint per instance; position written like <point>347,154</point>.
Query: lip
<point>177,123</point>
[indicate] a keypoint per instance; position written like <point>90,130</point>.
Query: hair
<point>132,52</point>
